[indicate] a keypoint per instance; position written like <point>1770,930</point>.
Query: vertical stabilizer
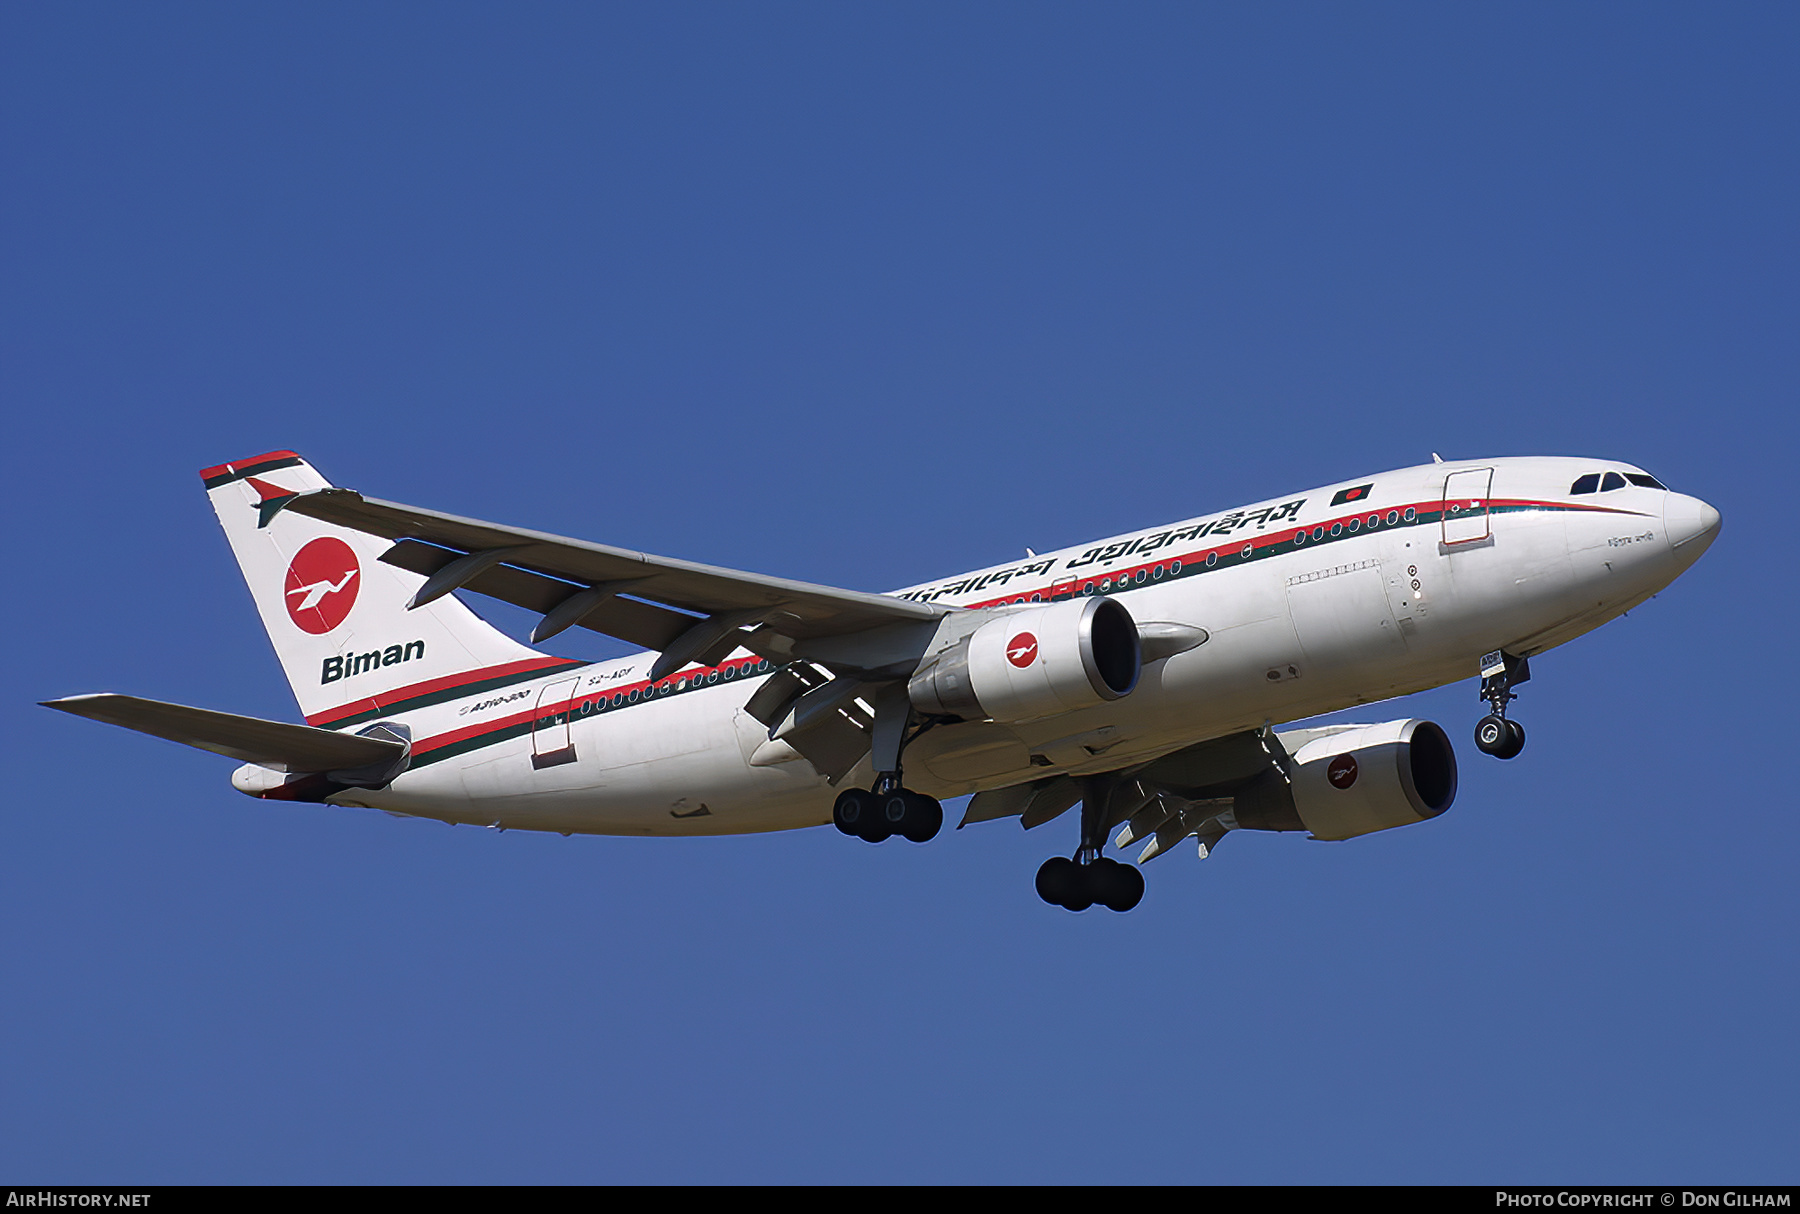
<point>337,616</point>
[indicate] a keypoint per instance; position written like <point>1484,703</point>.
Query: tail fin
<point>337,616</point>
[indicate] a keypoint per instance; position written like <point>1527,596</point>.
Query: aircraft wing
<point>690,612</point>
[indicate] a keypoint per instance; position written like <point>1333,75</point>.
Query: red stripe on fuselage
<point>473,731</point>
<point>1266,539</point>
<point>387,699</point>
<point>571,704</point>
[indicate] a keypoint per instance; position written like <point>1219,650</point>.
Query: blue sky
<point>867,294</point>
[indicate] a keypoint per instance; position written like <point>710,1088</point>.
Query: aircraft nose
<point>1690,524</point>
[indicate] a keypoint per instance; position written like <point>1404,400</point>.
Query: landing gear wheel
<point>924,817</point>
<point>1496,734</point>
<point>858,812</point>
<point>1061,882</point>
<point>874,818</point>
<point>896,808</point>
<point>1090,877</point>
<point>1493,734</point>
<point>853,811</point>
<point>1117,887</point>
<point>1075,887</point>
<point>1515,740</point>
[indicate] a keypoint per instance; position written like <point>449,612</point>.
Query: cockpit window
<point>1595,482</point>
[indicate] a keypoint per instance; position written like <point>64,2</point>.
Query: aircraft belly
<point>695,794</point>
<point>675,768</point>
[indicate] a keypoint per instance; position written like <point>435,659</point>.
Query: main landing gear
<point>1495,734</point>
<point>876,815</point>
<point>1078,884</point>
<point>1089,878</point>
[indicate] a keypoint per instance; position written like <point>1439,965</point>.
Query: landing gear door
<point>551,745</point>
<point>1465,516</point>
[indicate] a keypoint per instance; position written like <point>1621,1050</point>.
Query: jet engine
<point>1347,782</point>
<point>1034,662</point>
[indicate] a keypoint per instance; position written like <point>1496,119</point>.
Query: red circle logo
<point>322,582</point>
<point>1021,651</point>
<point>1342,771</point>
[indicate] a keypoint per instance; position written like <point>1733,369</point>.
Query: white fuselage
<point>1417,583</point>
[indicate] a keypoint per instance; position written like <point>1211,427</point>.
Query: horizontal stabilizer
<point>271,744</point>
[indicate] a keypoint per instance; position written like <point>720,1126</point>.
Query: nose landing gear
<point>1495,734</point>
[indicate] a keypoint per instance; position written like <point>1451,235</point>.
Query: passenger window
<point>1613,481</point>
<point>1646,481</point>
<point>1585,484</point>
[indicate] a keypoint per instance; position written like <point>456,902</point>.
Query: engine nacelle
<point>1035,662</point>
<point>1354,781</point>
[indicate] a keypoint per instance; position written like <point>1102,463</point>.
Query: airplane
<point>1139,677</point>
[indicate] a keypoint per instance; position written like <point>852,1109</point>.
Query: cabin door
<point>1465,517</point>
<point>551,744</point>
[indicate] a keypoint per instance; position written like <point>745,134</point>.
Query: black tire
<point>1101,879</point>
<point>871,827</point>
<point>1515,741</point>
<point>852,811</point>
<point>1082,891</point>
<point>1117,886</point>
<point>896,808</point>
<point>924,818</point>
<point>1058,880</point>
<point>1492,735</point>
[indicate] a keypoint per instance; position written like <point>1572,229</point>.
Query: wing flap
<point>1033,804</point>
<point>271,744</point>
<point>997,803</point>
